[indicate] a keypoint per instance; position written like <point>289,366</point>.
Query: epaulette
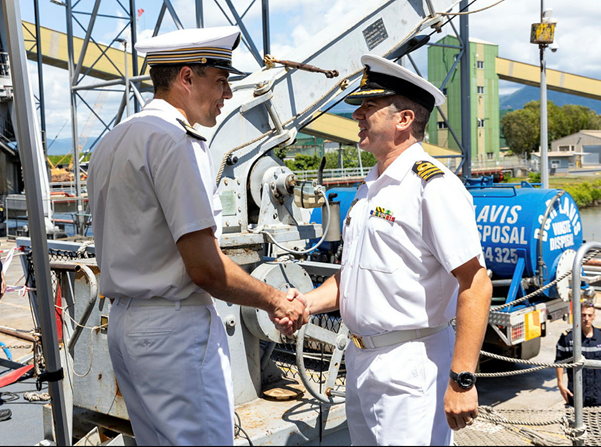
<point>426,170</point>
<point>191,130</point>
<point>567,331</point>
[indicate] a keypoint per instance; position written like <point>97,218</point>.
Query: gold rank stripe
<point>367,92</point>
<point>426,170</point>
<point>195,50</point>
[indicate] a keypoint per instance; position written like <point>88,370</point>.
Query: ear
<point>185,76</point>
<point>405,119</point>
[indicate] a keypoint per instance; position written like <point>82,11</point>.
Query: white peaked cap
<point>383,77</point>
<point>206,46</point>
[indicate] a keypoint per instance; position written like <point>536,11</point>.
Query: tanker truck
<point>529,238</point>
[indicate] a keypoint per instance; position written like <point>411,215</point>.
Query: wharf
<point>531,397</point>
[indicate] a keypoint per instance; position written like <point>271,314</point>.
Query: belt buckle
<point>358,341</point>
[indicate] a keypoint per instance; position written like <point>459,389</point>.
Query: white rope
<point>83,249</point>
<point>36,397</point>
<point>92,330</point>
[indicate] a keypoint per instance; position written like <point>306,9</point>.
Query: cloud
<point>508,25</point>
<point>294,22</point>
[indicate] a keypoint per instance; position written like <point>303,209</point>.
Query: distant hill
<point>63,146</point>
<point>60,146</point>
<point>519,98</point>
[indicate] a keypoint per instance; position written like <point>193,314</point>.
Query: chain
<point>19,347</point>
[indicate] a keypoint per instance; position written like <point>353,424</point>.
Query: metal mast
<point>26,137</point>
<point>466,89</point>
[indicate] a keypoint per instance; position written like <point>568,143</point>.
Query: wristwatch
<point>464,379</point>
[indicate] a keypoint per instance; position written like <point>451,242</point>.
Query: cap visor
<point>227,68</point>
<point>356,98</point>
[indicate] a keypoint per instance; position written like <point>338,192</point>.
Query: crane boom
<point>270,105</point>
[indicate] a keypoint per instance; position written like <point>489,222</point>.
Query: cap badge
<point>203,60</point>
<point>365,78</point>
<point>426,170</point>
<point>382,213</point>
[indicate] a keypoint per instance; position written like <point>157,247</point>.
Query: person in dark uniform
<point>591,349</point>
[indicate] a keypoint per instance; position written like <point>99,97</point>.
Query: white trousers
<point>173,370</point>
<point>395,395</point>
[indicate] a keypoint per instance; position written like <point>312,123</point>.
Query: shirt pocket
<point>381,246</point>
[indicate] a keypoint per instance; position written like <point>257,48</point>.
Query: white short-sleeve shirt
<point>150,183</point>
<point>402,239</point>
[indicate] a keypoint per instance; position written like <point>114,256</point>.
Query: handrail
<point>577,333</point>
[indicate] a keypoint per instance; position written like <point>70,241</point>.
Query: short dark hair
<point>422,115</point>
<point>162,76</point>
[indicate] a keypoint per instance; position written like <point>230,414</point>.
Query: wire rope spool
<point>281,276</point>
<point>564,265</point>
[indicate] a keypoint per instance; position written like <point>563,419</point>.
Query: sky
<point>293,22</point>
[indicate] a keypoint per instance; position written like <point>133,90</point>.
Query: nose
<point>359,113</point>
<point>227,93</point>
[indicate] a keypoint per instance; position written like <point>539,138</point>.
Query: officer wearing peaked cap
<point>157,222</point>
<point>412,261</point>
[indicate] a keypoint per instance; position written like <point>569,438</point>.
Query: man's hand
<point>565,393</point>
<point>460,406</point>
<point>292,313</point>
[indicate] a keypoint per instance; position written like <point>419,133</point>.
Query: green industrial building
<point>485,139</point>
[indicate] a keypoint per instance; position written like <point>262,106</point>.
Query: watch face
<point>466,379</point>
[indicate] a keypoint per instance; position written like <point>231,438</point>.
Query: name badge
<point>382,213</point>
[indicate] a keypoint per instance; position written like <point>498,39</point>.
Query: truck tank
<point>511,220</point>
<point>537,225</point>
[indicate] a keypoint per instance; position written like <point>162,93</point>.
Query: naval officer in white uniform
<point>157,221</point>
<point>412,261</point>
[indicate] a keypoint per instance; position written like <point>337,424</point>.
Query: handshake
<point>291,312</point>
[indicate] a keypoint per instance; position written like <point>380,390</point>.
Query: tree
<point>521,128</point>
<point>349,160</point>
<point>304,163</point>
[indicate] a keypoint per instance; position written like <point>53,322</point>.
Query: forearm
<point>473,305</point>
<point>325,297</point>
<point>232,284</point>
<point>560,373</point>
<point>217,274</point>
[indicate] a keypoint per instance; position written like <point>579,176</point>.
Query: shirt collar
<point>399,168</point>
<point>164,106</point>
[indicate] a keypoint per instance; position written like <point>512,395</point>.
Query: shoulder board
<point>191,130</point>
<point>426,170</point>
<point>567,332</point>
